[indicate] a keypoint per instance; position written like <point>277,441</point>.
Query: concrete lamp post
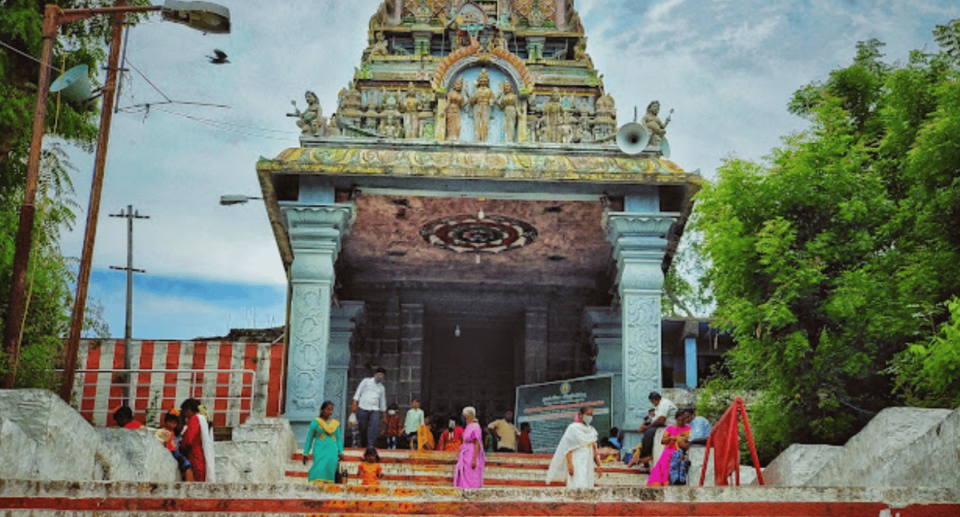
<point>202,16</point>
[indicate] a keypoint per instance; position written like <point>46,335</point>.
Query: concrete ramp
<point>799,464</point>
<point>899,447</point>
<point>46,439</point>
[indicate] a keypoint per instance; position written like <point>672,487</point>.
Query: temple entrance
<point>472,367</point>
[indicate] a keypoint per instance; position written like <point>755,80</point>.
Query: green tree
<point>830,259</point>
<point>49,276</point>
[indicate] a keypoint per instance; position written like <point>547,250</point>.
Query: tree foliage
<point>50,273</point>
<point>836,256</point>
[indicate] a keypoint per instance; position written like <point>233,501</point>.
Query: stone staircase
<point>413,470</point>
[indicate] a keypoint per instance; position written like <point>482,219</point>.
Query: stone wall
<point>43,438</point>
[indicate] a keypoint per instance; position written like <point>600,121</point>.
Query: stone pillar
<point>343,321</point>
<point>639,242</point>
<point>535,46</point>
<point>315,232</point>
<point>421,43</point>
<point>535,345</point>
<point>411,353</point>
<point>606,335</point>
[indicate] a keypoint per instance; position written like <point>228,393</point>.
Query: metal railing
<point>228,394</point>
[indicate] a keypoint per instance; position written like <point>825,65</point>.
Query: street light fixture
<point>236,199</point>
<point>211,18</point>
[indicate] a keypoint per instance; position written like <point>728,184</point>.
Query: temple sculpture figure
<point>482,101</point>
<point>455,102</point>
<point>380,47</point>
<point>310,120</point>
<point>507,101</point>
<point>656,127</point>
<point>411,113</point>
<point>552,117</point>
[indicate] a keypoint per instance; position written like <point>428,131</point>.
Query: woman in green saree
<point>325,444</point>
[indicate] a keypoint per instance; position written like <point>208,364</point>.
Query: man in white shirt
<point>369,403</point>
<point>665,413</point>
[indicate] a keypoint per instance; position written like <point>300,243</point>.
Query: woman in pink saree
<point>675,437</point>
<point>470,462</point>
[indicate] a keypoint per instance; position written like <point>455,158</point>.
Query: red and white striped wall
<point>234,380</point>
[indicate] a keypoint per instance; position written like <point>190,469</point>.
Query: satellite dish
<point>664,147</point>
<point>74,84</point>
<point>632,138</point>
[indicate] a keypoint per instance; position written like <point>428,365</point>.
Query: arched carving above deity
<point>482,106</point>
<point>520,79</point>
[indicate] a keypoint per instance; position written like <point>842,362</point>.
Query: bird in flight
<point>219,57</point>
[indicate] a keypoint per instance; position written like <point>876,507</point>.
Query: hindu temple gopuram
<point>466,220</point>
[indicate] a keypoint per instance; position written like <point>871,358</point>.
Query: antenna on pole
<point>130,215</point>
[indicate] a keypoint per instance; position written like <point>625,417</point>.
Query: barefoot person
<point>471,461</point>
<point>325,444</point>
<point>576,453</point>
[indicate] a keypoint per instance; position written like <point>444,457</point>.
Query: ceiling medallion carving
<point>470,233</point>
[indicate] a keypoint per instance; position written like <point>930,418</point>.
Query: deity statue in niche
<point>507,101</point>
<point>482,100</point>
<point>552,117</point>
<point>411,116</point>
<point>455,102</point>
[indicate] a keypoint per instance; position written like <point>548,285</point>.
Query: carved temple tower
<point>466,220</point>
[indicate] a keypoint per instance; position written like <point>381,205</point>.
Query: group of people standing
<point>577,459</point>
<point>188,435</point>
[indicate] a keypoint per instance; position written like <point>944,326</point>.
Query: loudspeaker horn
<point>74,84</point>
<point>632,138</point>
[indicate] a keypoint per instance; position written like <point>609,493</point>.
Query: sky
<point>727,67</point>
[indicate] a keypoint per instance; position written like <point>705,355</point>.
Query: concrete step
<point>419,469</point>
<point>91,499</point>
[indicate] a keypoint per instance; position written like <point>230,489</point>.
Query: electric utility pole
<point>130,215</point>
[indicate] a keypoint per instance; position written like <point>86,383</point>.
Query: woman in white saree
<point>577,453</point>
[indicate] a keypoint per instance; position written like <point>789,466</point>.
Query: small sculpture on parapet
<point>310,120</point>
<point>656,127</point>
<point>381,47</point>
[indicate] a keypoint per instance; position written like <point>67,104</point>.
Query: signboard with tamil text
<point>550,407</point>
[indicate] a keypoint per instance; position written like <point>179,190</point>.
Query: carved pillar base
<point>639,242</point>
<point>315,232</point>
